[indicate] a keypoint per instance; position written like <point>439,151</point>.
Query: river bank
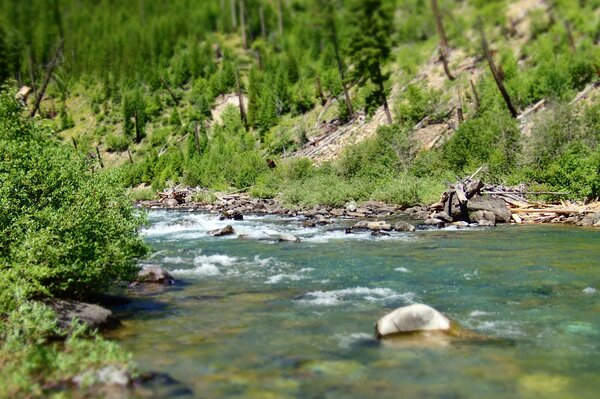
<point>505,210</point>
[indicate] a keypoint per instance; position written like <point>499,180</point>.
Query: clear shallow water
<point>253,318</point>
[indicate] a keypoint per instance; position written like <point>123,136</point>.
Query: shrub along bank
<point>66,231</point>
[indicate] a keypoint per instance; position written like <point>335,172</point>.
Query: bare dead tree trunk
<point>49,70</point>
<point>169,90</point>
<point>475,94</point>
<point>570,37</point>
<point>243,23</point>
<point>439,25</point>
<point>320,93</point>
<point>459,110</point>
<point>32,73</point>
<point>233,14</point>
<point>197,134</point>
<point>259,62</point>
<point>384,102</point>
<point>129,155</point>
<point>495,73</point>
<point>99,157</point>
<point>138,133</point>
<point>280,17</point>
<point>263,25</point>
<point>340,65</point>
<point>243,116</point>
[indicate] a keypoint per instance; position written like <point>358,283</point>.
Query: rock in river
<point>287,237</point>
<point>404,226</point>
<point>155,275</point>
<point>379,226</point>
<point>417,317</point>
<point>94,316</point>
<point>225,231</point>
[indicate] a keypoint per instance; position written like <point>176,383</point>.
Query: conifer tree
<point>370,22</point>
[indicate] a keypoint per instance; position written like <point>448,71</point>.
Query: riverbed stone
<point>434,222</point>
<point>483,216</point>
<point>404,226</point>
<point>487,203</point>
<point>225,231</point>
<point>351,206</point>
<point>93,316</point>
<point>486,223</point>
<point>171,203</point>
<point>155,275</point>
<point>379,226</point>
<point>417,317</point>
<point>287,237</point>
<point>443,216</point>
<point>361,225</point>
<point>590,220</point>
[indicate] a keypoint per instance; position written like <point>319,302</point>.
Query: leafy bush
<point>116,143</point>
<point>63,230</point>
<point>31,362</point>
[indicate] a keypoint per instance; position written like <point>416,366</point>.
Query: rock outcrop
<point>93,316</point>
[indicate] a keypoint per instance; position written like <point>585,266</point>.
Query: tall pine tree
<point>370,24</point>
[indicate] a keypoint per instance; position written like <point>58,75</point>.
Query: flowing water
<point>252,318</point>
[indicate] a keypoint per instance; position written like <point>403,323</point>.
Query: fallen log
<point>551,210</point>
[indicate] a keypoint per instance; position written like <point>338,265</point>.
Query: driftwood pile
<point>175,196</point>
<point>468,198</point>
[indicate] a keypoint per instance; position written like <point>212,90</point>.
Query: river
<point>251,318</point>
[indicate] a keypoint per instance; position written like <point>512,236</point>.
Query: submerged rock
<point>93,316</point>
<point>225,231</point>
<point>404,226</point>
<point>154,275</point>
<point>417,317</point>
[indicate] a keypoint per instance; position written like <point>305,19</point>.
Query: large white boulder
<point>417,317</point>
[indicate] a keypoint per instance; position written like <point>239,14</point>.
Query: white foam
<point>589,290</point>
<point>173,259</point>
<point>402,269</point>
<point>330,298</point>
<point>347,340</point>
<point>222,260</point>
<point>479,313</point>
<point>208,265</point>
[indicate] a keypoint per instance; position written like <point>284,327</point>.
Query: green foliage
<point>31,362</point>
<point>116,143</point>
<point>418,102</point>
<point>491,139</point>
<point>64,230</point>
<point>370,22</point>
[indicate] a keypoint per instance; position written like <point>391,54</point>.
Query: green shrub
<point>63,230</point>
<point>32,363</point>
<point>116,143</point>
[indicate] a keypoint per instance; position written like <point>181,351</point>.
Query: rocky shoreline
<point>476,209</point>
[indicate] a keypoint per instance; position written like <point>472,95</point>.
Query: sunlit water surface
<point>255,318</point>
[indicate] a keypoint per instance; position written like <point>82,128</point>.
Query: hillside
<point>155,89</point>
